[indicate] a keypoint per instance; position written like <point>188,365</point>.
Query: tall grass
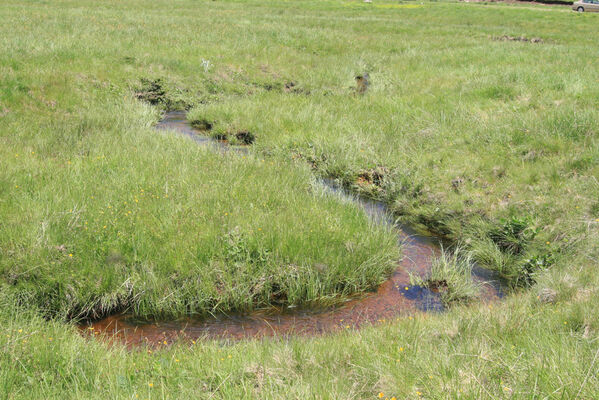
<point>144,221</point>
<point>458,132</point>
<point>451,276</point>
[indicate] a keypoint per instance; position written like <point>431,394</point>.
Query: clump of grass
<point>451,276</point>
<point>152,91</point>
<point>202,124</point>
<point>220,124</point>
<point>510,248</point>
<point>241,137</point>
<point>514,234</point>
<point>158,92</point>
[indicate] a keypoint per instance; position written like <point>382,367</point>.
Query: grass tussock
<point>451,277</point>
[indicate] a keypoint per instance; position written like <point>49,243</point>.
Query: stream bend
<point>393,298</point>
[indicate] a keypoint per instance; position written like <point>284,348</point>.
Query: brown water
<point>394,298</point>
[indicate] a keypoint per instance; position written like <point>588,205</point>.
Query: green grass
<point>490,143</point>
<point>451,276</point>
<point>124,217</point>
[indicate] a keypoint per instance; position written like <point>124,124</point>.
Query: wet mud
<point>394,298</point>
<point>518,39</point>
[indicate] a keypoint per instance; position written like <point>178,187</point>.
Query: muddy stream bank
<point>394,298</point>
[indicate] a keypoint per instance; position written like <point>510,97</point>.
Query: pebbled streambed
<point>395,297</point>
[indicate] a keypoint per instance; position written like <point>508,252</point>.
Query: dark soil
<point>152,91</point>
<point>362,83</point>
<point>518,39</point>
<point>292,87</point>
<point>245,137</point>
<point>437,286</point>
<point>202,124</point>
<point>157,93</point>
<point>373,176</point>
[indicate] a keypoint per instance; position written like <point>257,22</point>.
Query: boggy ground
<point>490,143</point>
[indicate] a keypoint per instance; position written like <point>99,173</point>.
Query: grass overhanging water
<point>492,143</point>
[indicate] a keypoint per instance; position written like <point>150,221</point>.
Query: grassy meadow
<point>489,142</point>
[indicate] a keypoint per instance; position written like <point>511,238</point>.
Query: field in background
<point>469,128</point>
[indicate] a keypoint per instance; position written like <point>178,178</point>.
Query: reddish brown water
<point>394,298</point>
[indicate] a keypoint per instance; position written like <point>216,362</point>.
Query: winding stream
<point>395,297</point>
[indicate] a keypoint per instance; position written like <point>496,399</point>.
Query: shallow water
<point>177,121</point>
<point>394,298</point>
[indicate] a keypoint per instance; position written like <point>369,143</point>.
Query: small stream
<point>395,297</point>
